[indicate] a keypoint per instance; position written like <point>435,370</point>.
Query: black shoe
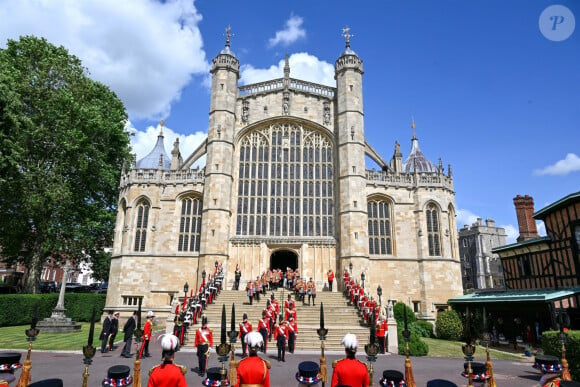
<point>147,355</point>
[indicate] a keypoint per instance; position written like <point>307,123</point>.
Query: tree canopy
<point>62,145</point>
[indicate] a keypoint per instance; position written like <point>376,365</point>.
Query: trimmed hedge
<point>18,309</point>
<point>449,325</point>
<point>551,346</point>
<point>422,328</point>
<point>398,312</point>
<point>417,347</point>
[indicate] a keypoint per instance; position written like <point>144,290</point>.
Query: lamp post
<point>362,278</point>
<point>350,268</point>
<point>185,288</point>
<point>203,274</point>
<point>380,293</point>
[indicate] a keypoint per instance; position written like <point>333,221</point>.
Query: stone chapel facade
<point>285,185</point>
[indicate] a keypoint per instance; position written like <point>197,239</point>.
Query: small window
<point>416,306</point>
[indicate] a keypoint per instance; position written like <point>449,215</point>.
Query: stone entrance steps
<point>339,318</point>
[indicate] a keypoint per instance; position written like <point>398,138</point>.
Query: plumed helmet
<point>254,339</point>
<point>150,314</point>
<point>169,342</point>
<point>204,320</point>
<point>245,317</point>
<point>272,296</point>
<point>350,341</point>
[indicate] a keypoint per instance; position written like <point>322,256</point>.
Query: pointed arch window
<point>141,226</point>
<point>433,234</point>
<point>290,179</point>
<point>190,225</point>
<point>379,228</point>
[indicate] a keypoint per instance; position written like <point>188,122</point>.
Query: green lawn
<point>15,338</point>
<point>444,348</point>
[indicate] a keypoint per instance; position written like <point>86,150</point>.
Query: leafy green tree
<point>62,145</point>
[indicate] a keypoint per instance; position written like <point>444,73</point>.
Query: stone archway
<point>281,259</point>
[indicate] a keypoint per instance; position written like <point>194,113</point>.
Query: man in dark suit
<point>113,331</point>
<point>128,330</point>
<point>106,332</point>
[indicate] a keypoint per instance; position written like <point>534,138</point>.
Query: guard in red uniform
<point>382,333</point>
<point>330,275</point>
<point>264,329</point>
<point>292,328</point>
<point>245,328</point>
<point>147,331</point>
<point>253,371</point>
<point>203,343</point>
<point>281,335</point>
<point>168,374</point>
<point>350,371</point>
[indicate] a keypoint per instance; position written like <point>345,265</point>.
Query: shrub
<point>398,311</point>
<point>551,346</point>
<point>422,328</point>
<point>18,309</point>
<point>449,326</point>
<point>417,347</point>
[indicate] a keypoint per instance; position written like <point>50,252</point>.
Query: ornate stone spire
<point>287,68</point>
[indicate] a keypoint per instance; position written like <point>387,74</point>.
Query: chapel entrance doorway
<point>281,259</point>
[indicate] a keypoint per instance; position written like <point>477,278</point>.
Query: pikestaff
<point>88,351</point>
<point>31,336</point>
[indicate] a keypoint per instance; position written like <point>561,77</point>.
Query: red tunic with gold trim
<point>351,372</point>
<point>166,375</point>
<point>253,370</point>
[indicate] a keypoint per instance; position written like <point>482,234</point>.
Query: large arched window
<point>433,231</point>
<point>141,225</point>
<point>379,215</point>
<point>190,225</point>
<point>285,183</point>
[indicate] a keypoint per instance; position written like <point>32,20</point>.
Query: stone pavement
<point>69,367</point>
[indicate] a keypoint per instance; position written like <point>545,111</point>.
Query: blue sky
<point>491,94</point>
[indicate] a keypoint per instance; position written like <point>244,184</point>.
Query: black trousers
<point>244,344</point>
<point>202,357</point>
<point>264,333</point>
<point>291,341</point>
<point>127,347</point>
<point>381,344</point>
<point>281,343</point>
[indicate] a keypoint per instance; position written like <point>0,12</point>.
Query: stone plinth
<point>58,323</point>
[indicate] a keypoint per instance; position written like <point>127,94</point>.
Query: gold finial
<point>413,126</point>
<point>228,35</point>
<point>347,35</point>
<point>161,124</point>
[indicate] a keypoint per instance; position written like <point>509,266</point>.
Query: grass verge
<point>445,348</point>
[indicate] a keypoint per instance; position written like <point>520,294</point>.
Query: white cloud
<point>562,167</point>
<point>145,51</point>
<point>302,66</point>
<point>512,233</point>
<point>142,142</point>
<point>465,218</point>
<point>291,33</point>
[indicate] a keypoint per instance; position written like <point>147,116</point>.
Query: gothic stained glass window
<point>141,225</point>
<point>433,236</point>
<point>190,225</point>
<point>379,228</point>
<point>291,176</point>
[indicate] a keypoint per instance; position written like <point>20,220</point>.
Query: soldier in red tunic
<point>350,371</point>
<point>281,335</point>
<point>264,329</point>
<point>168,374</point>
<point>203,343</point>
<point>292,329</point>
<point>253,371</point>
<point>245,328</point>
<point>382,333</point>
<point>330,275</point>
<point>147,331</point>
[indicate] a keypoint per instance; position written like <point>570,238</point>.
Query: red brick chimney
<point>524,211</point>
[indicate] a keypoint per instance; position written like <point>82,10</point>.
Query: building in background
<point>480,268</point>
<point>541,273</point>
<point>285,184</point>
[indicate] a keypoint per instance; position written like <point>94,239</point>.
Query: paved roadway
<point>69,367</point>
